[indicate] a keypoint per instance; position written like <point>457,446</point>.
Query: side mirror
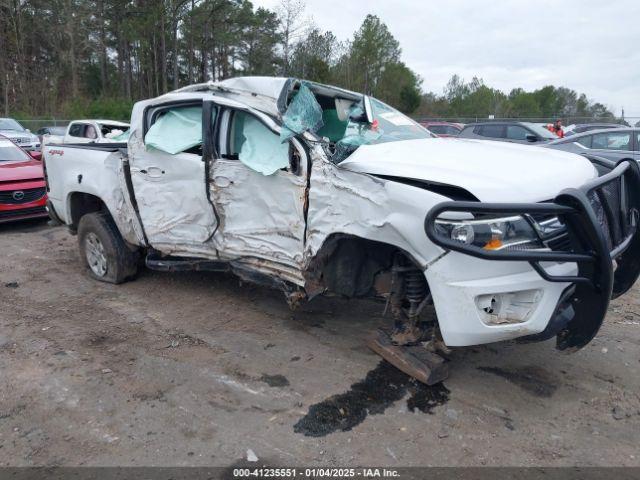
<point>531,137</point>
<point>35,155</point>
<point>27,130</point>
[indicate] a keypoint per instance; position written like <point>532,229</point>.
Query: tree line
<point>468,99</point>
<point>76,58</point>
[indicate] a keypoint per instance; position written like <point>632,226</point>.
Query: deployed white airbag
<point>176,130</point>
<point>261,149</point>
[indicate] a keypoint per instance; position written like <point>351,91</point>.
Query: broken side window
<point>303,114</point>
<point>256,145</point>
<point>176,130</point>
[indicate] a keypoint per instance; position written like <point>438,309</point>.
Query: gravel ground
<point>197,368</point>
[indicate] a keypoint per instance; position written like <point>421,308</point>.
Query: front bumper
<point>30,204</point>
<point>576,281</point>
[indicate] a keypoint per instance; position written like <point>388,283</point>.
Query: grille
<point>21,140</point>
<point>609,203</point>
<point>560,243</point>
<point>29,195</point>
<point>558,240</point>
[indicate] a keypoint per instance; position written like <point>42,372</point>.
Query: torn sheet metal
<point>258,148</point>
<point>176,130</point>
<point>347,202</point>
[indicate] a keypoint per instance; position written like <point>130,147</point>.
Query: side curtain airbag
<point>176,130</point>
<point>261,150</point>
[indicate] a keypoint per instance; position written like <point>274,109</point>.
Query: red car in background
<point>23,193</point>
<point>443,129</point>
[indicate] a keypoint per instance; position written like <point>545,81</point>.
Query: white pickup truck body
<point>355,226</point>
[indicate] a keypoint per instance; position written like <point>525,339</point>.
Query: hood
<point>14,133</point>
<point>491,171</point>
<point>17,171</point>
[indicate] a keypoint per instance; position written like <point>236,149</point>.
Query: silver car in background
<point>613,143</point>
<point>18,134</point>
<point>515,132</point>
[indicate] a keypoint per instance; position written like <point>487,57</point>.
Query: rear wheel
<point>103,250</point>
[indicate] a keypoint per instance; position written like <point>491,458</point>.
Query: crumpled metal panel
<point>264,221</point>
<point>173,211</point>
<point>341,201</point>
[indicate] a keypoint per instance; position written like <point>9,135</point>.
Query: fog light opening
<point>508,307</point>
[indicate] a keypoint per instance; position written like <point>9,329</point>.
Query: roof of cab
<point>267,94</point>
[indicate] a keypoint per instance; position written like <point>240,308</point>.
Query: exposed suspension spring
<point>415,290</point>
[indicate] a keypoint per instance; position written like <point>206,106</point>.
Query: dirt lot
<point>195,369</point>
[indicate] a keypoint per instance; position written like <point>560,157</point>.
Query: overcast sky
<point>591,46</point>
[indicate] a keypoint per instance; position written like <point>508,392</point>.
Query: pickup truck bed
<point>78,173</point>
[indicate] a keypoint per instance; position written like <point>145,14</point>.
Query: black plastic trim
<point>596,282</point>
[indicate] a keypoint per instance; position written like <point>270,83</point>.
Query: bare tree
<point>292,25</point>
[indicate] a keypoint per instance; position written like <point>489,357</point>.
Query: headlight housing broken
<point>501,233</point>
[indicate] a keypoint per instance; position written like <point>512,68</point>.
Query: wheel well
<point>82,203</point>
<point>354,267</point>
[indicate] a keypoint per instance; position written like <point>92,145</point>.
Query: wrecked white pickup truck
<point>314,189</point>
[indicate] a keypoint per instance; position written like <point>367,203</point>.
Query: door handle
<point>151,171</point>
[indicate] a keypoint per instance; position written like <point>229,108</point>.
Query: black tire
<point>103,250</point>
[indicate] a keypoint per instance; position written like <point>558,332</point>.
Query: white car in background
<point>15,132</point>
<point>94,131</point>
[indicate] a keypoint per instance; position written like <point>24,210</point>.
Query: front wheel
<point>103,250</point>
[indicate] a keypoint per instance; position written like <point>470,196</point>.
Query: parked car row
<point>511,131</point>
<point>78,131</point>
<point>23,193</point>
<point>606,140</point>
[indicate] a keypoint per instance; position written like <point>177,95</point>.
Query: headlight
<point>514,232</point>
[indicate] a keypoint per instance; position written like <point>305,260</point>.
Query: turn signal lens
<point>493,244</point>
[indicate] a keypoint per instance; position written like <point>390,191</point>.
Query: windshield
<point>9,152</point>
<point>344,122</point>
<point>389,125</point>
<point>542,131</point>
<point>10,124</point>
